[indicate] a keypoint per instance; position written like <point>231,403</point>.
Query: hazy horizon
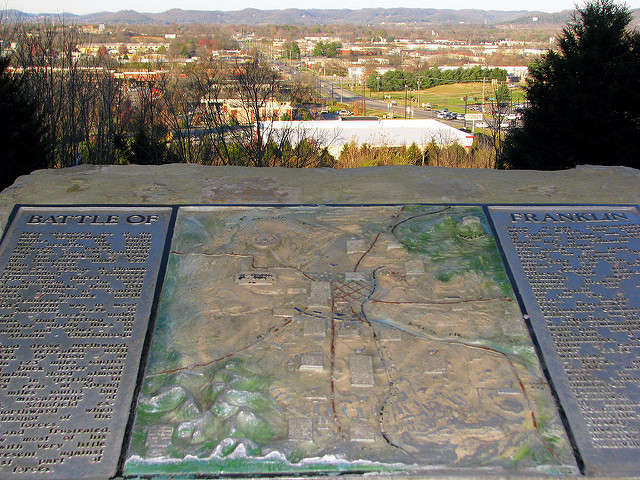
<point>78,7</point>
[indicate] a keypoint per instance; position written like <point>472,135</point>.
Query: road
<point>333,90</point>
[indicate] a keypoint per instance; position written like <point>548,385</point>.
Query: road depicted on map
<point>341,339</point>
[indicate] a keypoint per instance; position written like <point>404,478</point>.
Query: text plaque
<point>578,272</point>
<point>76,292</point>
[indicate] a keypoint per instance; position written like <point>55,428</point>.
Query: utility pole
<point>419,81</point>
<point>465,111</point>
<point>483,82</point>
<point>405,101</point>
<point>364,101</point>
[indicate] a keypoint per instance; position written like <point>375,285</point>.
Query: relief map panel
<point>76,292</point>
<point>311,339</point>
<point>578,273</point>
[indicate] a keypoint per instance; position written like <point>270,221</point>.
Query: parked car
<point>344,113</point>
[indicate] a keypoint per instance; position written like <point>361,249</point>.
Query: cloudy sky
<point>151,6</point>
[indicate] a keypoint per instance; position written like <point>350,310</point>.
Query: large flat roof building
<point>334,134</point>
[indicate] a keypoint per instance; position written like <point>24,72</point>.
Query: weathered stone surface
<point>189,183</point>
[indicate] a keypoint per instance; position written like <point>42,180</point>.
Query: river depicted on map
<point>326,339</point>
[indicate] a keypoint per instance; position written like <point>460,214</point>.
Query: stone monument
<point>257,325</point>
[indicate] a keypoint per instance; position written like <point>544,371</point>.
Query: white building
<point>356,73</point>
<point>334,134</point>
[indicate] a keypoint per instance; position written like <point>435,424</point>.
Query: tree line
<point>80,109</point>
<point>398,80</point>
<point>61,110</point>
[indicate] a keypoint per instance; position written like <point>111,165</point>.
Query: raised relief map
<point>322,339</point>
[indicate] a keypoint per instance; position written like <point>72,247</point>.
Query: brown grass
<point>478,156</point>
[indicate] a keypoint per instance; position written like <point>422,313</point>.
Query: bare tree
<point>181,98</point>
<point>247,137</point>
<point>110,131</point>
<point>93,116</point>
<point>296,144</point>
<point>500,105</point>
<point>255,84</point>
<point>38,56</point>
<point>211,83</point>
<point>77,99</point>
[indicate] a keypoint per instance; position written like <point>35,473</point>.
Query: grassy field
<point>448,96</point>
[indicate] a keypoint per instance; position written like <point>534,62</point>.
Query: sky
<point>153,6</point>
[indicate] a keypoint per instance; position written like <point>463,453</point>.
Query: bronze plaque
<point>76,292</point>
<point>577,269</point>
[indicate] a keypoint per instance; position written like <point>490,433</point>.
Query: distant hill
<point>295,16</point>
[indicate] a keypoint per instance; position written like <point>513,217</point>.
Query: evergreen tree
<point>291,51</point>
<point>22,148</point>
<point>413,155</point>
<point>148,148</point>
<point>584,98</point>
